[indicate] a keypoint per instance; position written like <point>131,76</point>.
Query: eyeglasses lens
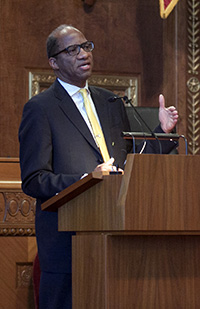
<point>75,49</point>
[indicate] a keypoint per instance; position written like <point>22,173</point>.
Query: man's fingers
<point>110,162</point>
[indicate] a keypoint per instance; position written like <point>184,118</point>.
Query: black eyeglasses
<point>75,49</point>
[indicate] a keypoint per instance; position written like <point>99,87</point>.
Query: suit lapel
<point>72,113</point>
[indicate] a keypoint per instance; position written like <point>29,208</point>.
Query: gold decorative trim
<point>193,83</point>
<point>120,85</point>
<point>10,184</point>
<point>165,10</point>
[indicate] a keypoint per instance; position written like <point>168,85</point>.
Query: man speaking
<point>66,131</point>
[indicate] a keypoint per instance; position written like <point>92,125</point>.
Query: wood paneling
<point>90,262</point>
<point>153,272</point>
<point>126,272</point>
<point>16,286</point>
<point>17,241</point>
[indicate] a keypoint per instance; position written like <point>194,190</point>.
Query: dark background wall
<point>130,39</point>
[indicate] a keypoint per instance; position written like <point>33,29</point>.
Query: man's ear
<point>53,63</point>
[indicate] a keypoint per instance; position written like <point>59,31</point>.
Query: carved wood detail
<point>24,275</point>
<point>17,210</point>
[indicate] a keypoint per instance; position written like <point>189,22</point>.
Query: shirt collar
<point>71,89</point>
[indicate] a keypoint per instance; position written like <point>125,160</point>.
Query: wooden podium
<point>137,243</point>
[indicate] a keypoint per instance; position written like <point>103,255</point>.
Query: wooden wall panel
<point>16,266</point>
<point>17,241</point>
<point>136,271</point>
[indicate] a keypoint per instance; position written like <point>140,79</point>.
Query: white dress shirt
<point>78,100</point>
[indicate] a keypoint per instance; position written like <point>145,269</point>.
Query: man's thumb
<point>161,101</point>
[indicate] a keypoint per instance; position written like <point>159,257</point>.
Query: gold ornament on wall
<point>193,83</point>
<point>120,85</point>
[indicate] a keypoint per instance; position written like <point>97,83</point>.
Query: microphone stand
<point>151,135</point>
<point>144,135</point>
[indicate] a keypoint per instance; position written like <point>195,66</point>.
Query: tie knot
<point>83,91</point>
<point>85,97</point>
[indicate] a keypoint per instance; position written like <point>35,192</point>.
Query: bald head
<point>52,43</point>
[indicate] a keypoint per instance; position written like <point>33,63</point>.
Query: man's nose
<point>82,53</point>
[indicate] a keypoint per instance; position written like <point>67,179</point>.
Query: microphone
<point>129,101</point>
<point>115,98</point>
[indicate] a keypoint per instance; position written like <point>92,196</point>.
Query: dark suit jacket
<point>56,149</point>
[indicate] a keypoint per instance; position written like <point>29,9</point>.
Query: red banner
<point>166,6</point>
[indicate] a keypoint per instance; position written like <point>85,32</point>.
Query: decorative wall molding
<point>17,210</point>
<point>120,85</point>
<point>12,231</point>
<point>193,83</point>
<point>17,214</point>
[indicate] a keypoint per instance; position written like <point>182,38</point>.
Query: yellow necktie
<point>98,134</point>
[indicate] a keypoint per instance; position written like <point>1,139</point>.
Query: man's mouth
<point>85,66</point>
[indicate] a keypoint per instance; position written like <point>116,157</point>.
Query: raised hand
<point>168,116</point>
